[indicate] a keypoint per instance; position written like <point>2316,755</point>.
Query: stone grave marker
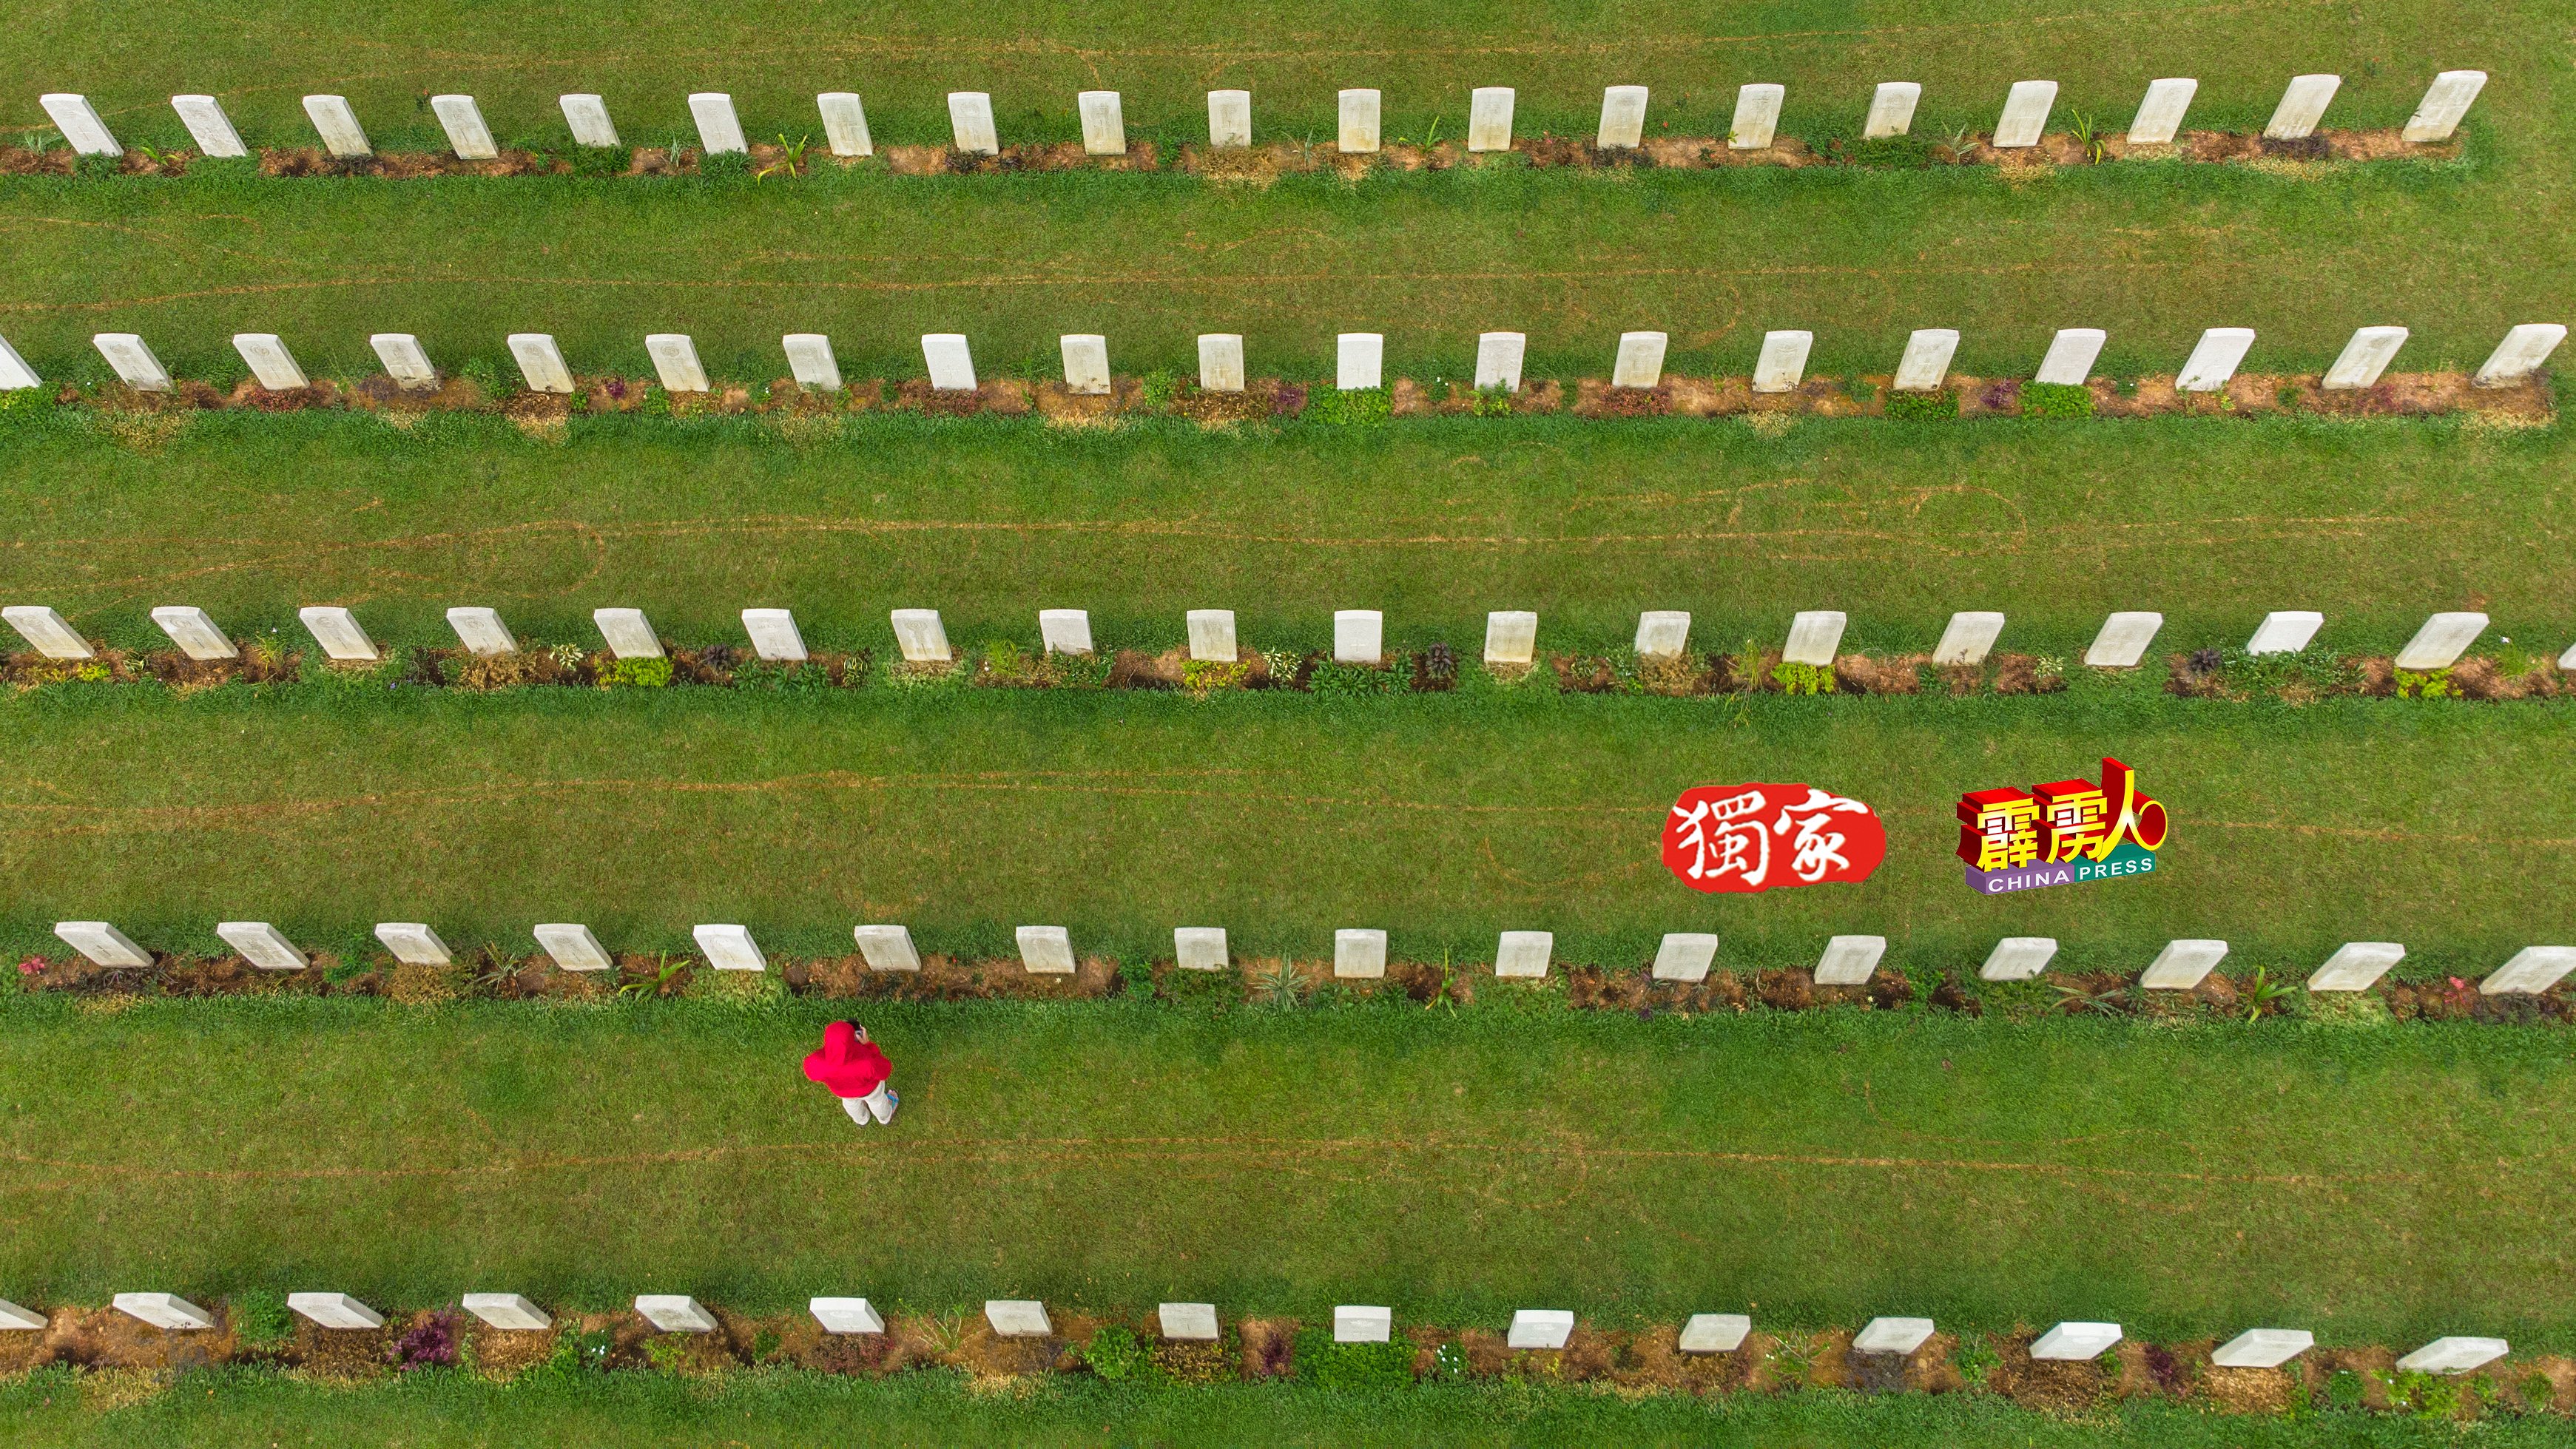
<point>338,634</point>
<point>1017,1317</point>
<point>675,1312</point>
<point>1757,116</point>
<point>1715,1332</point>
<point>2454,1355</point>
<point>2302,106</point>
<point>481,631</point>
<point>46,632</point>
<point>774,635</point>
<point>1086,363</point>
<point>2075,1342</point>
<point>729,948</point>
<point>2263,1348</point>
<point>2533,969</point>
<point>1359,361</point>
<point>920,637</point>
<point>1539,1328</point>
<point>1926,360</point>
<point>19,1319</point>
<point>466,133</point>
<point>1359,636</point>
<point>1359,955</point>
<point>1814,635</point>
<point>719,128</point>
<point>587,116</point>
<point>2356,966</point>
<point>541,362</point>
<point>1359,123</point>
<point>951,364</point>
<point>2182,965</point>
<point>2215,359</point>
<point>1641,360</point>
<point>1511,636</point>
<point>970,119</point>
<point>573,947</point>
<point>166,1311</point>
<point>1229,120</point>
<point>887,948</point>
<point>102,943</point>
<point>1969,637</point>
<point>133,361</point>
<point>846,1315</point>
<point>1524,953</point>
<point>508,1312</point>
<point>1046,950</point>
<point>194,633</point>
<point>405,361</point>
<point>335,1310</point>
<point>1685,956</point>
<point>1221,361</point>
<point>2520,354</point>
<point>810,359</point>
<point>2025,115</point>
<point>209,127</point>
<point>1104,123</point>
<point>1891,113</point>
<point>1489,118</point>
<point>2124,639</point>
<point>1782,363</point>
<point>14,371</point>
<point>2364,358</point>
<point>2441,641</point>
<point>413,943</point>
<point>2445,102</point>
<point>78,120</point>
<point>266,355</point>
<point>1189,1322</point>
<point>1850,960</point>
<point>2071,352</point>
<point>1199,948</point>
<point>1357,1323</point>
<point>675,361</point>
<point>1065,631</point>
<point>262,945</point>
<point>2018,958</point>
<point>338,126</point>
<point>628,633</point>
<point>1623,118</point>
<point>1892,1335</point>
<point>1662,633</point>
<point>1498,360</point>
<point>2159,117</point>
<point>2285,631</point>
<point>1212,636</point>
<point>845,123</point>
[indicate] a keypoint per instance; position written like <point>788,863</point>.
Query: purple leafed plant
<point>428,1344</point>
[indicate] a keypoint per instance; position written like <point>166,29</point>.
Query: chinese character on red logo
<point>1754,837</point>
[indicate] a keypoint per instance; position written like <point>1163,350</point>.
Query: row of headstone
<point>1753,126</point>
<point>1359,360</point>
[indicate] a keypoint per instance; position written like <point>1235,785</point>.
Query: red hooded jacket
<point>847,1065</point>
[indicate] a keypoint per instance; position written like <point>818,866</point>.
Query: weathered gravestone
<point>466,133</point>
<point>1757,116</point>
<point>1715,1332</point>
<point>46,632</point>
<point>1489,118</point>
<point>2285,631</point>
<point>1782,362</point>
<point>1623,118</point>
<point>481,631</point>
<point>1685,956</point>
<point>413,943</point>
<point>509,1312</point>
<point>2214,359</point>
<point>1925,362</point>
<point>1498,360</point>
<point>1017,1318</point>
<point>2356,966</point>
<point>405,361</point>
<point>810,360</point>
<point>970,122</point>
<point>719,128</point>
<point>2025,115</point>
<point>1362,1323</point>
<point>2454,1355</point>
<point>1511,636</point>
<point>102,943</point>
<point>335,1310</point>
<point>209,127</point>
<point>1524,953</point>
<point>1850,960</point>
<point>774,635</point>
<point>2124,639</point>
<point>1221,361</point>
<point>2071,352</point>
<point>194,633</point>
<point>1891,113</point>
<point>1359,361</point>
<point>1640,362</point>
<point>2018,958</point>
<point>1892,1335</point>
<point>2445,103</point>
<point>1359,636</point>
<point>1104,123</point>
<point>1064,631</point>
<point>920,637</point>
<point>887,948</point>
<point>729,947</point>
<point>1969,637</point>
<point>1814,635</point>
<point>541,362</point>
<point>675,361</point>
<point>1358,132</point>
<point>1188,1322</point>
<point>2182,965</point>
<point>846,1315</point>
<point>77,119</point>
<point>2075,1342</point>
<point>1046,950</point>
<point>2302,106</point>
<point>587,116</point>
<point>20,1320</point>
<point>951,364</point>
<point>2160,114</point>
<point>1359,955</point>
<point>262,945</point>
<point>1229,120</point>
<point>628,633</point>
<point>674,1313</point>
<point>2364,358</point>
<point>2519,355</point>
<point>2533,969</point>
<point>1199,948</point>
<point>1212,638</point>
<point>1086,363</point>
<point>265,354</point>
<point>572,947</point>
<point>338,126</point>
<point>2441,641</point>
<point>845,123</point>
<point>166,1311</point>
<point>1539,1328</point>
<point>133,361</point>
<point>14,371</point>
<point>2263,1348</point>
<point>1663,633</point>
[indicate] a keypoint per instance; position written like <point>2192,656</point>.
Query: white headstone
<point>2302,106</point>
<point>2285,631</point>
<point>102,943</point>
<point>1891,113</point>
<point>2520,353</point>
<point>1662,633</point>
<point>335,1310</point>
<point>2075,1342</point>
<point>810,360</point>
<point>1524,953</point>
<point>1640,362</point>
<point>1199,948</point>
<point>262,945</point>
<point>1104,124</point>
<point>1189,1322</point>
<point>1539,1328</point>
<point>266,355</point>
<point>628,633</point>
<point>2356,966</point>
<point>1229,120</point>
<point>2533,969</point>
<point>2025,115</point>
<point>2182,965</point>
<point>675,1312</point>
<point>481,631</point>
<point>2124,639</point>
<point>2441,641</point>
<point>1212,636</point>
<point>1065,631</point>
<point>1498,360</point>
<point>845,127</point>
<point>1359,361</point>
<point>1354,1323</point>
<point>1892,1335</point>
<point>2364,358</point>
<point>194,632</point>
<point>1221,361</point>
<point>209,127</point>
<point>466,133</point>
<point>1359,955</point>
<point>24,1320</point>
<point>337,631</point>
<point>2071,352</point>
<point>1685,956</point>
<point>14,371</point>
<point>774,635</point>
<point>1359,636</point>
<point>587,115</point>
<point>2446,101</point>
<point>2159,117</point>
<point>1017,1317</point>
<point>78,120</point>
<point>1757,116</point>
<point>509,1312</point>
<point>541,362</point>
<point>719,128</point>
<point>573,947</point>
<point>1511,636</point>
<point>675,361</point>
<point>135,365</point>
<point>1489,119</point>
<point>952,366</point>
<point>887,948</point>
<point>2454,1355</point>
<point>1623,118</point>
<point>405,360</point>
<point>413,943</point>
<point>1850,960</point>
<point>338,127</point>
<point>1782,362</point>
<point>46,632</point>
<point>1359,128</point>
<point>1926,360</point>
<point>730,948</point>
<point>2215,359</point>
<point>970,118</point>
<point>1715,1332</point>
<point>1969,637</point>
<point>846,1315</point>
<point>2018,958</point>
<point>1086,363</point>
<point>2263,1348</point>
<point>1046,950</point>
<point>1814,635</point>
<point>920,636</point>
<point>167,1311</point>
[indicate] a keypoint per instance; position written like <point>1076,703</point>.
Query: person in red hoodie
<point>857,1071</point>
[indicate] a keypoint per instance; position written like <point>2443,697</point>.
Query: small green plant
<point>2089,137</point>
<point>1923,407</point>
<point>791,159</point>
<point>2423,1395</point>
<point>1203,677</point>
<point>2077,1000</point>
<point>261,1319</point>
<point>945,1333</point>
<point>2426,684</point>
<point>580,1351</point>
<point>764,1345</point>
<point>1358,407</point>
<point>664,1354</point>
<point>1491,402</point>
<point>1803,678</point>
<point>2538,1390</point>
<point>1907,153</point>
<point>2262,996</point>
<point>1282,986</point>
<point>2286,396</point>
<point>1156,389</point>
<point>2343,1390</point>
<point>1962,140</point>
<point>1002,659</point>
<point>1449,1363</point>
<point>2046,667</point>
<point>1975,1358</point>
<point>1351,681</point>
<point>635,673</point>
<point>724,165</point>
<point>1353,1367</point>
<point>599,160</point>
<point>2056,400</point>
<point>1794,1357</point>
<point>1136,980</point>
<point>657,982</point>
<point>95,168</point>
<point>1118,1358</point>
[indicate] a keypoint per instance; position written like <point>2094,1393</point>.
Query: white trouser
<point>881,1102</point>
